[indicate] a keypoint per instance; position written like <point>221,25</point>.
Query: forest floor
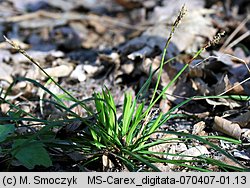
<point>87,46</point>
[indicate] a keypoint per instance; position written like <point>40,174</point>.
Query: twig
<point>74,16</point>
<point>230,38</point>
<point>238,40</point>
<point>33,15</point>
<point>242,82</point>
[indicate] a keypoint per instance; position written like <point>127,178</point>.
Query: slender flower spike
<point>180,16</point>
<point>215,40</point>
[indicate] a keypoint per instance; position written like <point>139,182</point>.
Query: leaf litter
<point>87,45</point>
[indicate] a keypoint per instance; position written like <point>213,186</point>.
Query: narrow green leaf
<point>190,136</point>
<point>142,160</point>
<point>128,110</point>
<point>152,128</point>
<point>99,108</point>
<point>94,134</point>
<point>15,114</point>
<point>156,142</point>
<point>42,87</point>
<point>155,124</point>
<point>135,123</point>
<point>128,163</point>
<point>110,111</point>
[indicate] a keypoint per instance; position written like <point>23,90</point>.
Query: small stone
<point>79,73</point>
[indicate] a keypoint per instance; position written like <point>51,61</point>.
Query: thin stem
<point>19,49</point>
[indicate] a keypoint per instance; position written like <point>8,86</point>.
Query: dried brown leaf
<point>227,127</point>
<point>224,102</point>
<point>198,128</point>
<point>228,161</point>
<point>243,120</point>
<point>60,71</point>
<point>225,84</point>
<point>194,152</point>
<point>168,147</point>
<point>163,167</point>
<point>199,85</point>
<point>190,35</point>
<point>165,105</point>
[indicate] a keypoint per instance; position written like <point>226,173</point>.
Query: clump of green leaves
<point>128,138</point>
<point>125,140</point>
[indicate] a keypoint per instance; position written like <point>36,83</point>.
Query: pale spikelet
<point>180,16</point>
<point>216,40</point>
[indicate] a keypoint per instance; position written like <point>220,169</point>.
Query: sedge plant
<point>129,138</point>
<point>124,140</point>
